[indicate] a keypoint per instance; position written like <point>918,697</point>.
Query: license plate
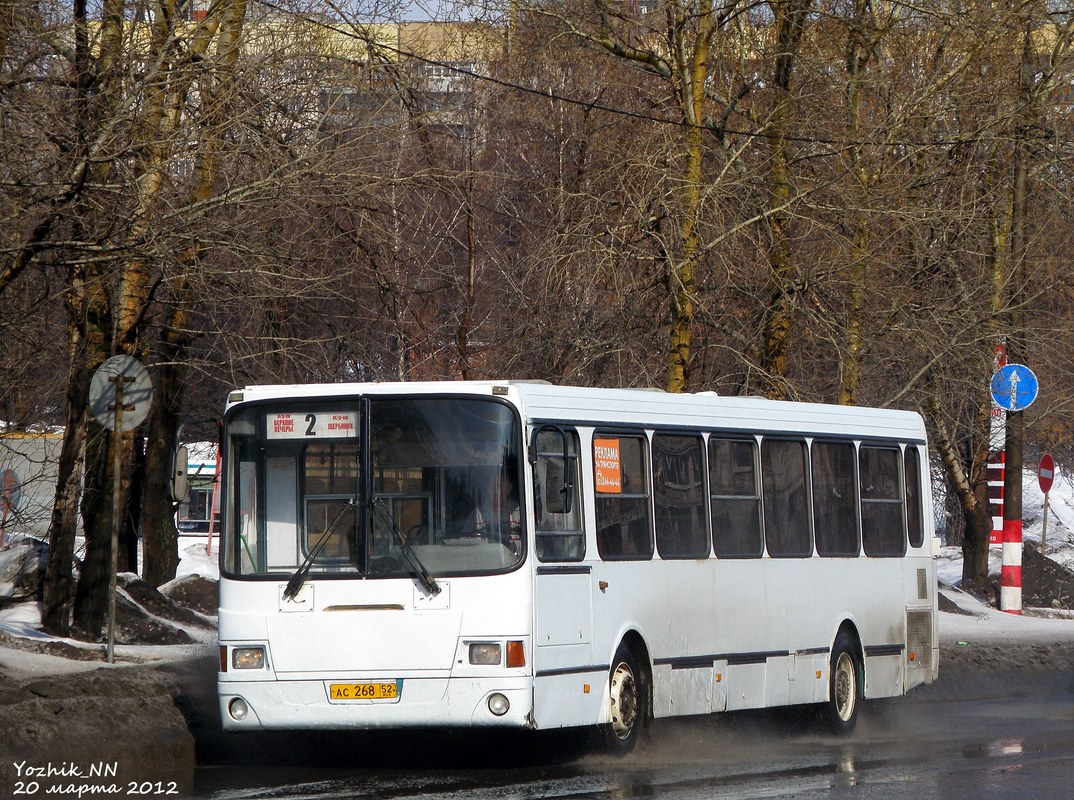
<point>372,690</point>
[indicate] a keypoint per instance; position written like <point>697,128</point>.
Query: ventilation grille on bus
<point>919,637</point>
<point>922,585</point>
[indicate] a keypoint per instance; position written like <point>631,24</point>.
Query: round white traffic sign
<point>137,392</point>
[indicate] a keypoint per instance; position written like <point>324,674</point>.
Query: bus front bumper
<point>420,702</point>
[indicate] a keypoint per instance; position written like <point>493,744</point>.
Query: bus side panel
<point>564,615</point>
<point>922,641</point>
<point>802,615</point>
<point>806,616</point>
<point>740,631</point>
<point>568,700</point>
<point>884,675</point>
<point>682,691</point>
<point>679,634</point>
<point>873,599</point>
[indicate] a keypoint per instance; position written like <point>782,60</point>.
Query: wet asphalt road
<point>920,747</point>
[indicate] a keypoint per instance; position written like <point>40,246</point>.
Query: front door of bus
<point>567,689</point>
<point>564,676</point>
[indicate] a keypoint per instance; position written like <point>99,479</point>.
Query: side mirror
<point>177,484</point>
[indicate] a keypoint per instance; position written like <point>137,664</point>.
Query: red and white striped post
<point>1006,533</point>
<point>997,458</point>
<point>1010,589</point>
<point>1015,386</point>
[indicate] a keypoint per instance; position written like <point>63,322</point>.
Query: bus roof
<point>539,402</point>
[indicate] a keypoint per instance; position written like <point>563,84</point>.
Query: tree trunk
<point>862,44</point>
<point>685,272</point>
<point>89,608</point>
<point>59,580</point>
<point>91,598</point>
<point>783,284</point>
<point>462,334</point>
<point>973,500</point>
<point>160,539</point>
<point>975,545</point>
<point>1020,199</point>
<point>693,79</point>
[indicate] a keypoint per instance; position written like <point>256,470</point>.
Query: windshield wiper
<point>417,569</point>
<point>299,578</point>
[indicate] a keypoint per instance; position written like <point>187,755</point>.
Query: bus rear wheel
<point>627,701</point>
<point>844,686</point>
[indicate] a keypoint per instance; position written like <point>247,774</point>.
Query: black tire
<point>845,684</point>
<point>628,699</point>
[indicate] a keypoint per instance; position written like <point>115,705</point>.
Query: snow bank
<point>38,656</point>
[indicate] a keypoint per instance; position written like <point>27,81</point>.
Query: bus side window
<point>736,498</point>
<point>621,481</point>
<point>557,508</point>
<point>835,499</point>
<point>679,495</point>
<point>915,523</point>
<point>786,502</point>
<point>883,531</point>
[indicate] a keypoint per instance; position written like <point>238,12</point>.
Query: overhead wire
<point>346,28</point>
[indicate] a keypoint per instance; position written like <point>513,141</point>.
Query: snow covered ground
<point>23,620</point>
<point>1060,534</point>
<point>983,623</point>
<point>197,558</point>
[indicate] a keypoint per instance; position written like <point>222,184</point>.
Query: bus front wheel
<point>844,685</point>
<point>627,700</point>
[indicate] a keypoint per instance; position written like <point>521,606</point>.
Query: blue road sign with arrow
<point>1014,387</point>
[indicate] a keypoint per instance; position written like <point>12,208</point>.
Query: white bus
<point>534,556</point>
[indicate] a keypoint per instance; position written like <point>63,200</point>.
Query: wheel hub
<point>624,701</point>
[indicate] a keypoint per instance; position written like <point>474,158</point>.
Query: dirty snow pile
<point>1059,544</point>
<point>176,621</point>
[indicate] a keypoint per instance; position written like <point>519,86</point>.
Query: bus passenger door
<point>567,690</point>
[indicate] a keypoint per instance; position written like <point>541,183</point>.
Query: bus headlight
<point>248,658</point>
<point>485,653</point>
<point>499,704</point>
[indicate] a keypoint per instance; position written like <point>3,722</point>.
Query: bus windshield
<point>437,483</point>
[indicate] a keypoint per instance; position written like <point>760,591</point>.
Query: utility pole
<point>1011,579</point>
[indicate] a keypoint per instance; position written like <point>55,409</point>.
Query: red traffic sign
<point>1046,473</point>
